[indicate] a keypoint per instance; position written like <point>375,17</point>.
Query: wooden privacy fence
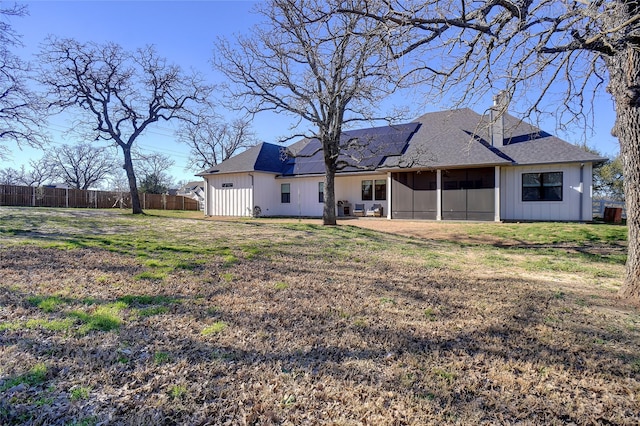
<point>42,196</point>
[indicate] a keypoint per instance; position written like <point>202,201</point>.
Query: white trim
<point>496,196</point>
<point>389,199</point>
<point>438,194</point>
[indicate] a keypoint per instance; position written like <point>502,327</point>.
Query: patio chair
<point>375,210</point>
<point>358,210</point>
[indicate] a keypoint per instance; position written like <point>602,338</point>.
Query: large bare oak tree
<point>325,69</point>
<point>120,93</point>
<point>21,120</point>
<point>538,48</point>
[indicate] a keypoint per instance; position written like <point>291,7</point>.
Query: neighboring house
<point>451,165</point>
<point>61,185</point>
<point>194,190</point>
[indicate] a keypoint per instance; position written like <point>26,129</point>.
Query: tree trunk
<point>329,212</point>
<point>133,186</point>
<point>331,149</point>
<point>624,86</point>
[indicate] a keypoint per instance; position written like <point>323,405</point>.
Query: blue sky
<point>184,32</point>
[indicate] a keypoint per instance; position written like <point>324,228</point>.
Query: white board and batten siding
<point>349,188</point>
<point>229,195</point>
<point>304,200</point>
<point>304,194</point>
<point>569,209</point>
<point>235,194</point>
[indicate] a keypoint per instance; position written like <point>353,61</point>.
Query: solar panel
<point>363,149</point>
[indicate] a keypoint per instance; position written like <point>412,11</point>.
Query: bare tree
<point>536,49</point>
<point>9,176</point>
<point>325,69</point>
<point>152,168</point>
<point>20,117</point>
<point>37,174</point>
<point>212,141</point>
<point>40,171</point>
<point>122,93</point>
<point>83,165</point>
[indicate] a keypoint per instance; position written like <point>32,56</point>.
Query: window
<point>367,190</point>
<point>285,193</point>
<point>542,186</point>
<point>321,192</point>
<point>374,190</point>
<point>380,189</point>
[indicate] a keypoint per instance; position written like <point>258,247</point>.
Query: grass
<point>214,328</point>
<point>103,318</point>
<point>46,303</point>
<point>430,314</point>
<point>281,286</point>
<point>142,319</point>
<point>545,233</point>
<point>177,391</point>
<point>160,357</point>
<point>35,376</point>
<point>79,393</point>
<point>144,299</point>
<point>64,324</point>
<point>153,310</point>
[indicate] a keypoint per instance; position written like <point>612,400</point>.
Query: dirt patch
<point>428,230</point>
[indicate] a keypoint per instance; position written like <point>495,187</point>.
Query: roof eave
<point>553,163</point>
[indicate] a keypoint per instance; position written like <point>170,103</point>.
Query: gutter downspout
<point>581,191</point>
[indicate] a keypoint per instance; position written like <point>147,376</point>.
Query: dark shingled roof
<point>264,157</point>
<point>461,138</point>
<point>527,144</point>
<point>447,139</point>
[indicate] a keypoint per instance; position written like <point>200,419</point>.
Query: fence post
<point>33,199</point>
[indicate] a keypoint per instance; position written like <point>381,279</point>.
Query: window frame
<point>542,195</point>
<point>380,189</point>
<point>285,197</point>
<point>366,192</point>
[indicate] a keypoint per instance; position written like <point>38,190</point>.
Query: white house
<point>450,165</point>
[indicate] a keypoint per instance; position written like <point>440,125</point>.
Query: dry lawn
<point>111,319</point>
